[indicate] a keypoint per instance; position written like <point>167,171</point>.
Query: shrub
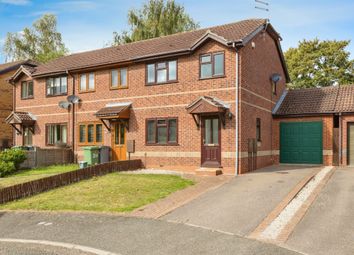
<point>6,168</point>
<point>16,156</point>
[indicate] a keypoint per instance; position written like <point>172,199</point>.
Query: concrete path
<point>121,235</point>
<point>328,226</point>
<point>181,197</point>
<point>240,205</point>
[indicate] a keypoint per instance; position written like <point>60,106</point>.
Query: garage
<point>301,142</point>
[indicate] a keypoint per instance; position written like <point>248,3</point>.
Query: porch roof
<point>23,118</point>
<point>114,111</point>
<point>207,104</point>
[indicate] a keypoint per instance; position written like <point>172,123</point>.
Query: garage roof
<point>339,99</point>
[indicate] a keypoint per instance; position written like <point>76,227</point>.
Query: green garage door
<point>301,142</point>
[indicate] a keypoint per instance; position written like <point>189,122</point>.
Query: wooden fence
<point>37,186</point>
<point>47,156</point>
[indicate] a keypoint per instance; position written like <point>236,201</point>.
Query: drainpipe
<point>73,118</point>
<point>237,111</point>
<point>13,109</point>
<point>340,161</point>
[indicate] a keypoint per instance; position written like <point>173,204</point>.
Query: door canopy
<point>21,119</point>
<point>207,105</point>
<point>114,112</point>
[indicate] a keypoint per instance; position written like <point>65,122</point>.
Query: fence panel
<point>37,186</point>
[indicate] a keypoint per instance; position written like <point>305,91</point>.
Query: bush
<point>16,156</point>
<point>6,168</point>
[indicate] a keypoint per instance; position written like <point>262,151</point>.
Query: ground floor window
<point>161,131</point>
<point>27,136</point>
<point>90,133</point>
<point>57,134</point>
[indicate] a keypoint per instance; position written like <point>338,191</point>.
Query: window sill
<point>118,88</point>
<point>161,83</point>
<point>58,95</point>
<point>89,144</point>
<point>87,91</point>
<point>26,98</point>
<point>157,144</point>
<point>213,77</point>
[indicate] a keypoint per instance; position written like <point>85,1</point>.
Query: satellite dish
<point>73,99</point>
<point>275,78</point>
<point>64,104</point>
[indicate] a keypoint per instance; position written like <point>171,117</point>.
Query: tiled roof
<point>112,110</point>
<point>158,46</point>
<point>317,101</point>
<point>21,117</point>
<point>14,65</point>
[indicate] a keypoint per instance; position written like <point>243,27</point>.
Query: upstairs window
<point>27,89</point>
<point>119,78</point>
<point>161,131</point>
<point>212,65</point>
<point>57,134</point>
<point>161,72</point>
<point>87,82</point>
<point>57,86</point>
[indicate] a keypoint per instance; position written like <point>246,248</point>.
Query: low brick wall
<point>46,157</point>
<point>37,186</point>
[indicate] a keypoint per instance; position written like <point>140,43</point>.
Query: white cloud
<point>16,2</point>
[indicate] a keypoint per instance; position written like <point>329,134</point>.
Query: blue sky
<point>88,24</point>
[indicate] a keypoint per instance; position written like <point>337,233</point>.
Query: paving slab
<point>240,205</point>
<point>328,226</point>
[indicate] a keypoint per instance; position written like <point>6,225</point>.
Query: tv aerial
<point>262,5</point>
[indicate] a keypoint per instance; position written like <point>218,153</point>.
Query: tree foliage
<point>41,42</point>
<point>155,18</point>
<point>316,63</point>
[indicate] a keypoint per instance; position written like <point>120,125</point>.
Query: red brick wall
<point>327,135</point>
<point>345,119</point>
<point>5,106</point>
<point>167,100</point>
<point>257,64</point>
<point>170,100</point>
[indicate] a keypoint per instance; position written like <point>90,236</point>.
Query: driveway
<point>328,226</point>
<point>117,235</point>
<point>240,205</point>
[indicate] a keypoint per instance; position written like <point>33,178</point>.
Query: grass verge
<point>110,193</point>
<point>34,174</point>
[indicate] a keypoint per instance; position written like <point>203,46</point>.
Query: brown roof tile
<point>317,101</point>
<point>14,65</point>
<point>162,45</point>
<point>113,110</point>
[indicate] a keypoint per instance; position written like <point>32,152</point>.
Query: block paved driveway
<point>328,226</point>
<point>240,205</point>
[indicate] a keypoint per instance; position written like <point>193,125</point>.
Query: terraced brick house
<point>193,100</point>
<point>6,100</point>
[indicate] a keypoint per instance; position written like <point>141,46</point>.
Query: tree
<point>155,18</point>
<point>316,63</point>
<point>41,42</point>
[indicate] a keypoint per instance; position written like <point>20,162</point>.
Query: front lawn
<point>114,192</point>
<point>22,176</point>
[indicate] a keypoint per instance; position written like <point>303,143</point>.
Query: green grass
<point>36,173</point>
<point>114,192</point>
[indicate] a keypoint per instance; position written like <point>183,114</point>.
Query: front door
<point>119,145</point>
<point>211,144</point>
<point>351,144</point>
